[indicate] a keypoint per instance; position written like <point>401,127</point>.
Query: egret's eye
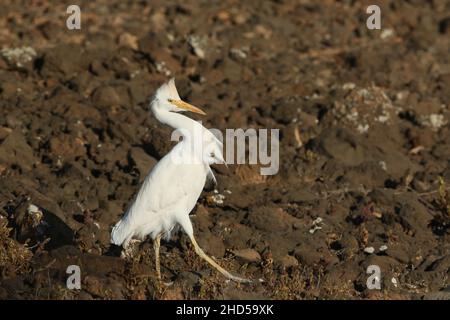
<point>170,100</point>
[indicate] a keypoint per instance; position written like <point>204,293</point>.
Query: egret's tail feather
<point>120,234</point>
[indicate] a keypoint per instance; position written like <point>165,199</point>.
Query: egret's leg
<point>156,245</point>
<point>208,259</point>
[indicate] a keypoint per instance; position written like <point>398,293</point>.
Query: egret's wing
<point>145,206</point>
<point>169,190</point>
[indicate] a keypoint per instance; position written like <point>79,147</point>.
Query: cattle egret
<point>171,189</point>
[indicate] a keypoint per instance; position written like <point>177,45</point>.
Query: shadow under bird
<point>171,189</point>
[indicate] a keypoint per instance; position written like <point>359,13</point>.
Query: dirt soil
<point>364,146</point>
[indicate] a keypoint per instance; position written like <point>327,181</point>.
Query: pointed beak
<point>225,163</point>
<point>186,106</point>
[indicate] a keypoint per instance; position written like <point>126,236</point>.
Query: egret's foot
<point>240,280</point>
<point>208,259</point>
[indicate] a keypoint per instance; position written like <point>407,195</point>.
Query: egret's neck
<point>175,120</point>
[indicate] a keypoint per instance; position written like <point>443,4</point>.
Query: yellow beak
<point>186,106</point>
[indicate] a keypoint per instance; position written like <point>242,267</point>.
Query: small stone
<point>315,225</point>
<point>307,255</point>
<point>369,250</point>
<point>66,146</point>
<point>263,31</point>
<point>434,121</point>
<point>36,215</point>
<point>383,247</point>
<point>289,261</point>
<point>240,18</point>
<point>97,68</point>
<point>238,53</point>
<point>394,282</point>
<point>247,255</point>
<point>223,15</point>
<point>198,44</point>
<point>15,150</point>
<point>105,97</point>
<point>4,132</point>
<point>314,229</point>
<point>348,86</point>
<point>128,40</point>
<point>386,33</point>
<point>317,221</point>
<point>216,199</point>
<point>66,58</point>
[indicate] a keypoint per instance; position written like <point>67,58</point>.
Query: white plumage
<point>172,188</point>
<point>163,200</point>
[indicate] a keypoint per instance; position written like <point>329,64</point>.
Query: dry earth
<point>364,150</point>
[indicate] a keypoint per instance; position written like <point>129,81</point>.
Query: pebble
<point>369,250</point>
<point>394,282</point>
<point>247,255</point>
<point>316,226</point>
<point>216,199</point>
<point>289,261</point>
<point>198,44</point>
<point>128,40</point>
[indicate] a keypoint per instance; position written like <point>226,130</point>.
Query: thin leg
<point>208,259</point>
<point>156,245</point>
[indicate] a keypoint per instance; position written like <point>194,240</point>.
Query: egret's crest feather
<point>168,91</point>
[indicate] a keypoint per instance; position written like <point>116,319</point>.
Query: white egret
<point>170,191</point>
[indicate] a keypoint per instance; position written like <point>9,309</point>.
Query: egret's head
<point>212,150</point>
<point>214,157</point>
<point>167,98</point>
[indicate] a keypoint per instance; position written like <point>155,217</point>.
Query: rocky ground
<point>364,150</point>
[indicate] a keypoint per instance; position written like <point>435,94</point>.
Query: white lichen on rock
<point>18,57</point>
<point>198,45</point>
<point>363,107</point>
<point>35,214</point>
<point>215,199</point>
<point>434,121</point>
<point>316,225</point>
